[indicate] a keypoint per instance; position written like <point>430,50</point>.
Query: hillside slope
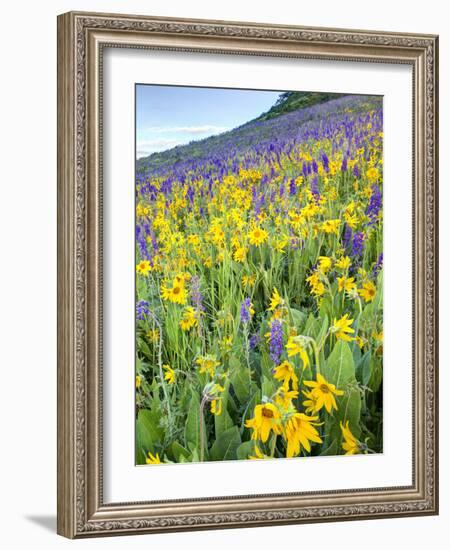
<point>257,136</point>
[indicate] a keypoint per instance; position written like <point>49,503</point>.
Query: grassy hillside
<point>292,101</point>
<point>287,124</point>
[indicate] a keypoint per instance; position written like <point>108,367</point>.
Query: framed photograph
<point>247,276</point>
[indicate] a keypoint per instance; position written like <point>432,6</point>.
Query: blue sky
<point>167,116</point>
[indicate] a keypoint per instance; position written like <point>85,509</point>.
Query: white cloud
<point>186,134</point>
<point>145,148</point>
<point>206,129</point>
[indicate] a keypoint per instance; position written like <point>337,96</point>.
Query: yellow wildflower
<point>169,375</point>
<point>350,443</point>
<point>240,254</point>
<point>176,294</point>
<point>189,319</point>
<point>300,430</point>
<point>248,280</point>
<point>343,263</point>
<point>330,226</point>
<point>266,418</point>
<point>258,236</point>
<point>368,291</point>
<point>285,372</point>
<point>323,393</point>
<point>153,335</point>
<point>372,174</point>
<point>207,363</point>
<point>284,397</point>
<point>295,346</point>
<point>341,328</point>
<point>346,283</point>
<point>152,459</point>
<point>325,264</point>
<point>317,286</point>
<point>275,300</point>
<point>143,267</point>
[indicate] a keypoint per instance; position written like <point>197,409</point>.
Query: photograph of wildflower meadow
<point>259,274</point>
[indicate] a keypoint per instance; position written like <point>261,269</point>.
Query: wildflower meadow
<point>259,287</point>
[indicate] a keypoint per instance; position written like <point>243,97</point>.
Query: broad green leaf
<point>225,446</point>
<point>267,386</point>
<point>310,325</point>
<point>349,408</point>
<point>376,375</point>
<point>331,450</point>
<point>298,317</point>
<point>339,369</point>
<point>143,348</point>
<point>365,368</point>
<point>245,450</point>
<point>323,332</point>
<point>192,426</point>
<point>179,452</point>
<point>148,432</point>
<point>240,379</point>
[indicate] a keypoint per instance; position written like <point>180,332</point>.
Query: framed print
<point>247,282</point>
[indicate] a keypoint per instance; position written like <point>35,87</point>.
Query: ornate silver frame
<point>81,38</point>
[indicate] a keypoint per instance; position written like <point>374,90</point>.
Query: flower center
<point>176,290</point>
<point>324,388</point>
<point>267,413</point>
<point>257,233</point>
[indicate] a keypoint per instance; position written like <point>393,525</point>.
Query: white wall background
<point>28,275</point>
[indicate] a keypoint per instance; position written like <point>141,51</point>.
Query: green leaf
<point>331,450</point>
<point>192,426</point>
<point>339,369</point>
<point>323,332</point>
<point>148,432</point>
<point>143,348</point>
<point>179,452</point>
<point>349,408</point>
<point>240,379</point>
<point>225,446</point>
<point>376,375</point>
<point>267,386</point>
<point>245,450</point>
<point>298,317</point>
<point>365,368</point>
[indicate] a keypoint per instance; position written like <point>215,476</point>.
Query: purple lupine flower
<point>245,310</point>
<point>142,243</point>
<point>325,162</point>
<point>356,171</point>
<point>142,309</point>
<point>314,166</point>
<point>358,243</point>
<point>190,194</point>
<point>378,266</point>
<point>254,340</point>
<point>276,341</point>
<point>344,164</point>
<point>347,236</point>
<point>315,187</point>
<point>375,204</point>
<point>292,187</point>
<point>304,170</point>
